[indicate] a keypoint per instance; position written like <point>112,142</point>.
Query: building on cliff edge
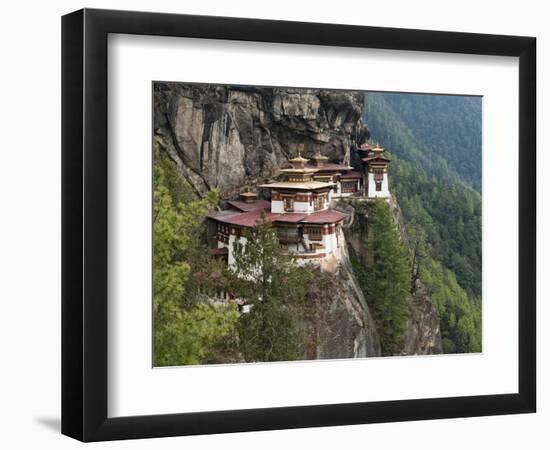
<point>375,170</point>
<point>300,207</point>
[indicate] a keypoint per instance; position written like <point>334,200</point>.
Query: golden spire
<point>248,196</point>
<point>320,160</point>
<point>298,161</point>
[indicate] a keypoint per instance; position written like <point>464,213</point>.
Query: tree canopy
<point>186,331</point>
<point>388,277</point>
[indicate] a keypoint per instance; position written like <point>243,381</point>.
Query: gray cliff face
<point>341,325</point>
<point>227,137</point>
<point>422,336</point>
<point>367,340</point>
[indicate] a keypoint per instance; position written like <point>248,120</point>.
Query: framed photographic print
<point>274,224</point>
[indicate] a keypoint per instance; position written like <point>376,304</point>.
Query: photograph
<point>296,223</point>
<point>268,225</point>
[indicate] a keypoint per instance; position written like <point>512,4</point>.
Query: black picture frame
<point>84,224</point>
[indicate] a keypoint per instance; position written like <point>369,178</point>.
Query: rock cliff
<point>227,137</point>
<point>340,323</point>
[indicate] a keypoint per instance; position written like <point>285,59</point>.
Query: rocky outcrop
<point>229,136</point>
<point>366,340</point>
<point>341,325</point>
<point>423,336</point>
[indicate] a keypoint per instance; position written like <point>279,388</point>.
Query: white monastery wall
<point>373,193</point>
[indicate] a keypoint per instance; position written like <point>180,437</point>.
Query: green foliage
<point>185,330</point>
<point>271,282</point>
<point>193,336</point>
<point>450,216</point>
<point>388,278</point>
<point>460,315</point>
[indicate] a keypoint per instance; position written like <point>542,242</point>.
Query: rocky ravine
<point>227,137</point>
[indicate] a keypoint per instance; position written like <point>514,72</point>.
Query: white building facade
<point>376,172</point>
<point>300,212</point>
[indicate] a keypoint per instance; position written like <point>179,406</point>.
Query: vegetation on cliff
<point>186,330</point>
<point>448,219</point>
<point>450,215</point>
<point>460,315</point>
<point>386,279</point>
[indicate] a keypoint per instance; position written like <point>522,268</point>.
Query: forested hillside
<point>440,133</point>
<point>444,223</point>
<point>442,212</point>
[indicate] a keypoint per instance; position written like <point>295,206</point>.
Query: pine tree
<point>185,332</point>
<point>269,279</point>
<point>388,277</point>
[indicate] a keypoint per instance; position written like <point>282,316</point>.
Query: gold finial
<point>298,161</point>
<point>318,155</point>
<point>320,160</point>
<point>248,196</point>
<point>300,149</point>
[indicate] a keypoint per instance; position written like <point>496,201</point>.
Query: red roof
<point>375,158</point>
<point>352,174</point>
<point>220,214</point>
<point>329,216</point>
<point>257,205</point>
<point>251,218</point>
<point>290,217</point>
<point>242,219</point>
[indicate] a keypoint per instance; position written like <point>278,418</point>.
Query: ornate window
<point>349,186</point>
<point>314,233</point>
<point>288,203</point>
<point>288,235</point>
<point>319,202</point>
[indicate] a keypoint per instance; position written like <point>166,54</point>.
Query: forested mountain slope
<point>440,133</point>
<point>434,185</point>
